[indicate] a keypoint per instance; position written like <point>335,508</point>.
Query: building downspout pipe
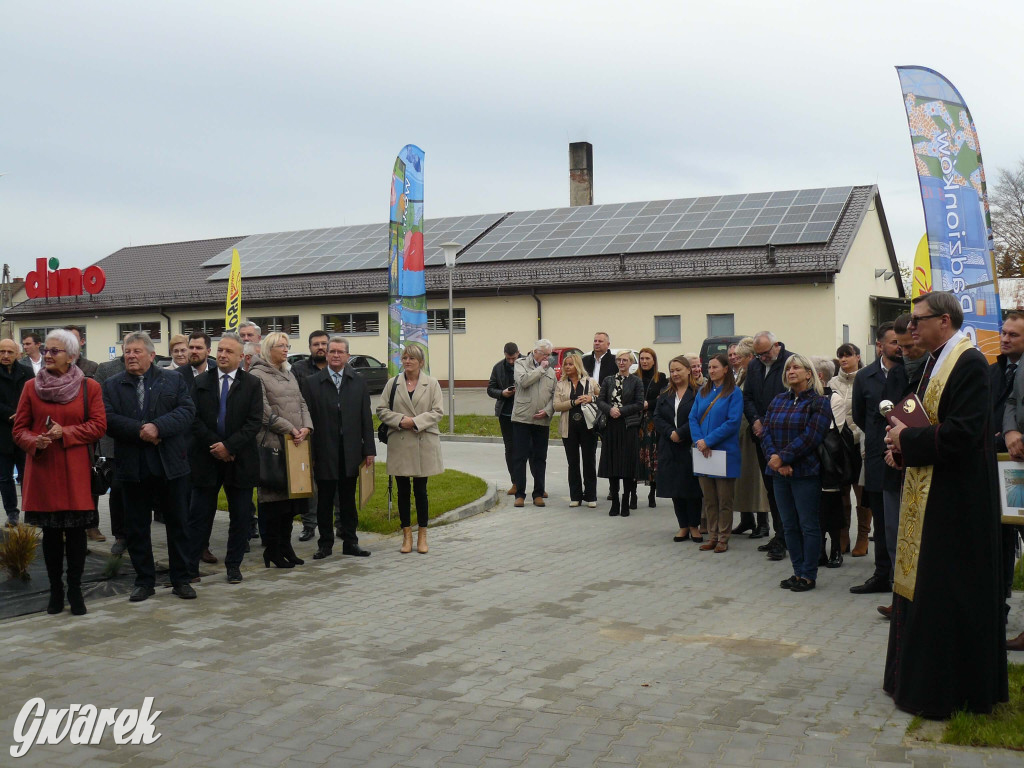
<point>533,292</point>
<point>169,331</point>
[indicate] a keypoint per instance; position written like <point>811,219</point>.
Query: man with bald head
<point>12,380</point>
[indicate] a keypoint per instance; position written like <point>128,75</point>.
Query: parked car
<point>558,354</point>
<point>370,368</point>
<point>714,345</point>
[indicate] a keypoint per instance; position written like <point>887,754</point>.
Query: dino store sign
<point>41,283</point>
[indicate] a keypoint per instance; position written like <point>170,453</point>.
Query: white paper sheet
<point>713,465</point>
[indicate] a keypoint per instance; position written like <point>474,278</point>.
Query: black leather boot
<point>835,557</point>
<point>75,549</point>
<point>614,511</point>
<point>626,495</point>
<point>746,523</point>
<point>761,529</point>
<point>650,498</point>
<point>53,557</point>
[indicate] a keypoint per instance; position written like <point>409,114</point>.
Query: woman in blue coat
<point>675,478</point>
<point>715,426</point>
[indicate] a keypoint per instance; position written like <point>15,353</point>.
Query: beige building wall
<point>856,282</point>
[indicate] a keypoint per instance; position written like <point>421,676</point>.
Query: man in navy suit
<point>229,412</point>
<point>149,413</point>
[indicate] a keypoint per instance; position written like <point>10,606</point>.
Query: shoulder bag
<point>102,471</point>
<point>589,410</point>
<point>840,460</point>
<point>382,430</point>
<point>273,475</point>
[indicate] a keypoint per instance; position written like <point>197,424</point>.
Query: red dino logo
<point>41,283</point>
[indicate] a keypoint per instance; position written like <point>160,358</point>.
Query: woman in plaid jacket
<point>794,426</point>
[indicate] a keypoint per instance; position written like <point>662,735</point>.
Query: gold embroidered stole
<point>917,485</point>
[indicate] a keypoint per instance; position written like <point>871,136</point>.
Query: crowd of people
<point>803,441</point>
<point>176,436</point>
<point>799,445</point>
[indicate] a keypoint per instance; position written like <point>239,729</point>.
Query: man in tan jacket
<point>531,415</point>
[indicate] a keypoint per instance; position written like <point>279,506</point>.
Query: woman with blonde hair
<point>179,350</point>
<point>795,423</point>
<point>284,413</point>
<point>654,382</point>
<point>414,441</point>
<point>573,391</point>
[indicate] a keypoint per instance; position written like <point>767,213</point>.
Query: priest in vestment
<point>946,641</point>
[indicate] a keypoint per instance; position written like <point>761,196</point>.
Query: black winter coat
<point>343,420</point>
<point>758,390</point>
<point>11,384</point>
<point>242,421</point>
<point>675,462</point>
<point>632,399</point>
<point>502,377</point>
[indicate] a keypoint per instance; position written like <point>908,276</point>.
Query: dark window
<point>353,324</point>
<point>437,320</point>
<point>667,329</point>
<point>153,329</point>
<point>213,328</point>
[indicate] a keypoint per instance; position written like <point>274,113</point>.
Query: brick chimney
<point>581,173</point>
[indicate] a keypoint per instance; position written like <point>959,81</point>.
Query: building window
<point>42,330</point>
<point>437,320</point>
<point>846,334</point>
<point>286,324</point>
<point>667,329</point>
<point>721,325</point>
<point>153,329</point>
<point>353,324</point>
<point>213,328</point>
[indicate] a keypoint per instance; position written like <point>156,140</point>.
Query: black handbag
<point>382,430</point>
<point>273,475</point>
<point>840,460</point>
<point>101,473</point>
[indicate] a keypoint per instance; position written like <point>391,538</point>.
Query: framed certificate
<point>1011,489</point>
<point>299,468</point>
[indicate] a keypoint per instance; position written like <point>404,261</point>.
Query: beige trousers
<point>718,492</point>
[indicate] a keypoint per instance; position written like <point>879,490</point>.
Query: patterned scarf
<point>59,389</point>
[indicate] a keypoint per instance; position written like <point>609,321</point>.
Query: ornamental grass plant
<point>18,549</point>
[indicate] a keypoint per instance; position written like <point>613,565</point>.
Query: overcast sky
<point>130,123</point>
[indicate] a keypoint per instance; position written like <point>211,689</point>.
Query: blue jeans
<point>798,499</point>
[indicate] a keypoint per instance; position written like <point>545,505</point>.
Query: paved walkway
<point>527,637</point>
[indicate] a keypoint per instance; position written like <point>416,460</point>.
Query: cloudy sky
<point>134,123</point>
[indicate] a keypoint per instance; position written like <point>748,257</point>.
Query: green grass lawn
<point>486,426</point>
<point>1018,575</point>
<point>1003,728</point>
<point>446,492</point>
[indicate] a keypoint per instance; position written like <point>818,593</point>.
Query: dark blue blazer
<point>870,387</point>
<point>242,423</point>
<point>168,405</point>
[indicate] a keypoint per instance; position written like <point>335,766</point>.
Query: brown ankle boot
<point>863,529</point>
<point>421,540</point>
<point>406,541</point>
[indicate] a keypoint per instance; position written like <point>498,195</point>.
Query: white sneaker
<point>592,504</point>
<point>574,503</point>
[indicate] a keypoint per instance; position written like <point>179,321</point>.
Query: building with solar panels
<point>817,266</point>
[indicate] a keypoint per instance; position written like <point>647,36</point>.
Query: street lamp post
<point>451,250</point>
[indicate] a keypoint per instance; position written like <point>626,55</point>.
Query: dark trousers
<point>348,516</point>
<point>505,422</point>
<point>60,545</point>
<point>531,445</point>
<point>419,489</point>
<point>799,499</point>
<point>769,486</point>
<point>688,511</point>
<point>8,490</point>
<point>581,444</point>
<point>830,516</point>
<point>883,565</point>
<point>201,513</point>
<point>171,497</point>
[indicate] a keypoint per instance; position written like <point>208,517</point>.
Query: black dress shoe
<point>234,575</point>
<point>140,593</point>
<point>743,528</point>
<point>835,559</point>
<point>874,584</point>
<point>803,585</point>
<point>775,555</point>
<point>355,550</point>
<point>788,583</point>
<point>770,544</point>
<point>184,591</point>
<point>307,534</point>
<point>759,532</point>
<point>322,552</point>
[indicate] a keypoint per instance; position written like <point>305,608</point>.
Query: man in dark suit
<point>149,412</point>
<point>315,363</point>
<point>199,360</point>
<point>229,412</point>
<point>763,383</point>
<point>871,387</point>
<point>1002,372</point>
<point>104,371</point>
<point>600,364</point>
<point>1006,385</point>
<point>343,439</point>
<point>12,380</point>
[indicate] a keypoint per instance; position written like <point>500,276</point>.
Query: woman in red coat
<point>59,416</point>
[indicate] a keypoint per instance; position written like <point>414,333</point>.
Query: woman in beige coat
<point>284,413</point>
<point>414,441</point>
<point>574,390</point>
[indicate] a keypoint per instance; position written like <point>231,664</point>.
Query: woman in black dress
<point>622,400</point>
<point>653,382</point>
<point>675,462</point>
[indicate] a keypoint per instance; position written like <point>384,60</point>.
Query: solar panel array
<point>341,249</point>
<point>728,221</point>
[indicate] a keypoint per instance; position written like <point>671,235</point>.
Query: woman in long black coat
<point>622,401</point>
<point>675,462</point>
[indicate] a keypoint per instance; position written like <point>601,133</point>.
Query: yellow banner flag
<point>234,306</point>
<point>922,279</point>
